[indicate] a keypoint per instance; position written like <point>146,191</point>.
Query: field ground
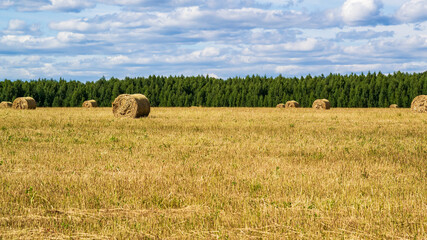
<point>237,173</point>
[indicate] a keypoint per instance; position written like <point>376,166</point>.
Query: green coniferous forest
<point>364,90</point>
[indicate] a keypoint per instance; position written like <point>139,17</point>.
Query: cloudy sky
<point>87,39</point>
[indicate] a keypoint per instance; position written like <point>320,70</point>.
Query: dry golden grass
<point>238,173</point>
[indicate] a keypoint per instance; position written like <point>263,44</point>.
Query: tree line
<point>351,90</point>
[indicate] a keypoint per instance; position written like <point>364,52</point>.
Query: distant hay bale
<point>292,104</point>
<point>24,103</point>
<point>133,106</point>
<point>280,105</point>
<point>90,104</point>
<point>419,104</point>
<point>321,104</point>
<point>5,104</point>
<point>394,106</point>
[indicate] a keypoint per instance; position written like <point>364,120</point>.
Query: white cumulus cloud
<point>16,24</point>
<point>413,10</point>
<point>67,5</point>
<point>355,12</point>
<point>48,5</point>
<point>70,37</point>
<point>20,27</point>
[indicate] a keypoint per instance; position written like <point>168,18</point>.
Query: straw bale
<point>133,106</point>
<point>5,104</point>
<point>419,104</point>
<point>292,104</point>
<point>24,103</point>
<point>90,104</point>
<point>321,104</point>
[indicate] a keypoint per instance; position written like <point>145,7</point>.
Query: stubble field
<point>207,173</point>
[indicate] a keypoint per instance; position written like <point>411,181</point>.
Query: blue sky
<point>87,39</point>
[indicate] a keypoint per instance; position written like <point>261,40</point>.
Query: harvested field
<point>207,173</point>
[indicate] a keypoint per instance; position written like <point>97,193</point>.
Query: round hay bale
<point>280,105</point>
<point>24,103</point>
<point>133,106</point>
<point>419,104</point>
<point>90,104</point>
<point>5,104</point>
<point>321,104</point>
<point>292,104</point>
<point>394,106</point>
